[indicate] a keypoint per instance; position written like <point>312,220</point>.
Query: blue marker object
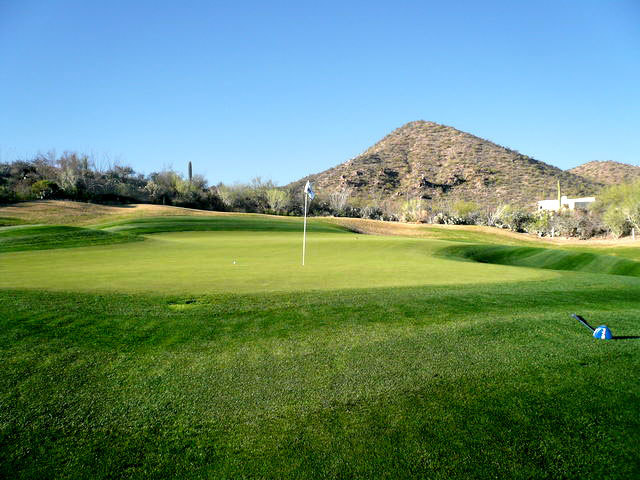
<point>602,332</point>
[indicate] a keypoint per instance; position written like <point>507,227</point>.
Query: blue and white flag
<point>309,191</point>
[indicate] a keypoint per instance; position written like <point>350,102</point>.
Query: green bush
<point>464,208</point>
<point>43,189</point>
<point>540,224</point>
<point>506,216</point>
<point>413,210</point>
<point>621,207</point>
<point>617,222</point>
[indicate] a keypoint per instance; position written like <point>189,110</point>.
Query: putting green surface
<point>383,357</point>
<point>203,262</point>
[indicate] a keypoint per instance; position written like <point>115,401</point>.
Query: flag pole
<point>304,235</point>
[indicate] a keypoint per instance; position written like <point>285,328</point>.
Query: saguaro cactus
<point>190,173</point>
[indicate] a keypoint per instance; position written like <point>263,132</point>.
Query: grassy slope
<point>59,212</point>
<point>10,221</point>
<point>175,362</point>
<point>44,237</point>
<point>227,223</point>
<point>553,259</point>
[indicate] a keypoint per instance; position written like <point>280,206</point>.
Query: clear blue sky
<point>284,89</point>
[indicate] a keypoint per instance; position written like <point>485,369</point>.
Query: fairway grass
<point>381,358</point>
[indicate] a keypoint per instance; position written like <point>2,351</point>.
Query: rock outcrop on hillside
<point>607,172</point>
<point>434,162</point>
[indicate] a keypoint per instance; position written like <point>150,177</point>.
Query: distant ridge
<point>433,161</point>
<point>607,172</point>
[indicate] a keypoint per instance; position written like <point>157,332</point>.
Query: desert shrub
<point>442,218</point>
<point>464,208</point>
<point>499,216</point>
<point>516,220</point>
<point>390,210</point>
<point>44,189</point>
<point>589,225</point>
<point>371,212</point>
<point>540,223</point>
<point>576,224</point>
<point>564,224</point>
<point>352,211</point>
<point>225,193</point>
<point>413,210</point>
<point>320,206</point>
<point>617,222</point>
<point>277,199</point>
<point>620,206</point>
<point>338,201</point>
<point>75,176</point>
<point>460,212</point>
<point>7,195</point>
<point>439,218</point>
<point>495,217</point>
<point>246,197</point>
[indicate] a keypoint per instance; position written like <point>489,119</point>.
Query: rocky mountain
<point>432,161</point>
<point>607,172</point>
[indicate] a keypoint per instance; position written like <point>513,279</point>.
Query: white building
<point>568,203</point>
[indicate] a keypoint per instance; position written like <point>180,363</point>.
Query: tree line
<point>75,176</point>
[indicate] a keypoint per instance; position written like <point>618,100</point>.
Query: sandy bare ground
<point>378,227</point>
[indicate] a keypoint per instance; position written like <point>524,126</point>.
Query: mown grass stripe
<point>45,237</point>
<point>552,259</point>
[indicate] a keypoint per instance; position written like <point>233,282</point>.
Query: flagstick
<point>304,235</point>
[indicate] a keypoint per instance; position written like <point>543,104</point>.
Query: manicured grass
<point>8,221</point>
<point>202,262</point>
<point>554,259</point>
<point>227,223</point>
<point>379,359</point>
<point>44,237</point>
<point>405,382</point>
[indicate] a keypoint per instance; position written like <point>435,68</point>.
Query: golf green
<point>246,262</point>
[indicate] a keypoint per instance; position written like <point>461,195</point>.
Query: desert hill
<point>433,161</point>
<point>607,172</point>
